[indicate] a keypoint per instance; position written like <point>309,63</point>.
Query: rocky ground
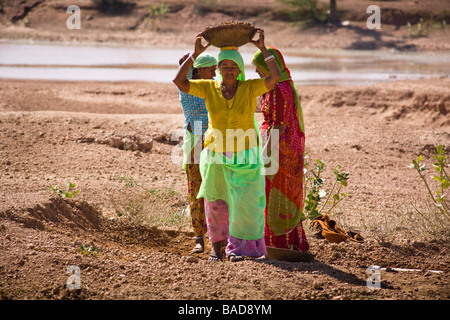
<point>134,243</point>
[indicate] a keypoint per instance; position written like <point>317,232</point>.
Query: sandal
<point>235,258</point>
<point>214,258</point>
<point>199,246</point>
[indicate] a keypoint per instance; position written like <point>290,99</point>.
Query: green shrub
<point>439,164</point>
<point>305,10</point>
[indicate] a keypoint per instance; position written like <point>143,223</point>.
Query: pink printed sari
<point>284,189</point>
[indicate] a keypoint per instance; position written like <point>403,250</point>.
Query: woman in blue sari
<point>195,125</point>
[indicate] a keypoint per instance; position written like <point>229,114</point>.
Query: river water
<point>49,61</point>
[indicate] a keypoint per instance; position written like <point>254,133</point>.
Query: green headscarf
<point>258,61</point>
<point>232,54</point>
<point>205,60</point>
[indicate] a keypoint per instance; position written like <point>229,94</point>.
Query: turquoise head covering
<point>205,60</point>
<point>231,53</point>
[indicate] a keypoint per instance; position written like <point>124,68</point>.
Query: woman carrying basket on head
<point>231,164</point>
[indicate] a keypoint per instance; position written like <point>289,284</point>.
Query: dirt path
<point>41,234</point>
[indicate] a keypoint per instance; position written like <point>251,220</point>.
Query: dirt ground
<point>93,133</point>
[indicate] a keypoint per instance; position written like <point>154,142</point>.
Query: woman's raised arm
<point>180,79</point>
<point>275,74</point>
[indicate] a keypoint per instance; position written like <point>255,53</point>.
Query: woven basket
<point>229,34</point>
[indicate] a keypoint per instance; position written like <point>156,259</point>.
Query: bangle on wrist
<point>269,58</point>
<point>192,57</point>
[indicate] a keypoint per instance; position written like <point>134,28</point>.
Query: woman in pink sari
<point>284,186</point>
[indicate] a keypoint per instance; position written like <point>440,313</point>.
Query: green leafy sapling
<point>69,193</point>
<point>439,164</point>
<point>315,195</point>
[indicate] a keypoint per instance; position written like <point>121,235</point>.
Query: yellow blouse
<point>231,122</point>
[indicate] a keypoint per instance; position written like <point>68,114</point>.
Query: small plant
<point>69,193</point>
<point>160,207</point>
<point>27,19</point>
<point>314,197</point>
<point>154,12</point>
<point>176,218</point>
<point>305,10</point>
<point>159,10</point>
<point>88,250</point>
<point>440,163</point>
<point>409,28</point>
<point>422,31</point>
<point>130,183</point>
<point>341,181</point>
<point>131,210</point>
